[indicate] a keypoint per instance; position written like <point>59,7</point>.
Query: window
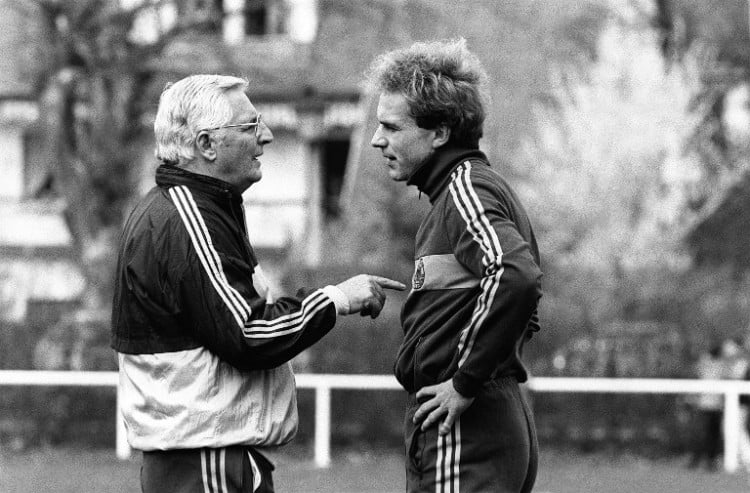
<point>297,19</point>
<point>334,154</point>
<point>39,180</point>
<point>255,15</point>
<point>202,15</point>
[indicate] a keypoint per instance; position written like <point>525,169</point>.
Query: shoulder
<point>476,179</point>
<point>174,217</point>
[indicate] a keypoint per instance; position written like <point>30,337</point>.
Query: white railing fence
<point>324,383</point>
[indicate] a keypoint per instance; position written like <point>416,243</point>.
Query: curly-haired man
<point>476,283</point>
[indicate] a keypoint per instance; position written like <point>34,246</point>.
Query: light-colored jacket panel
<point>192,399</point>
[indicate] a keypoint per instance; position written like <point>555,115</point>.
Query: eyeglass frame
<point>255,124</point>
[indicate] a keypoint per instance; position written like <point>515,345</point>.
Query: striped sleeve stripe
<point>480,224</point>
<point>469,335</point>
<point>237,297</point>
<point>470,207</point>
<point>290,323</point>
<point>207,255</point>
<point>461,199</point>
<point>290,319</point>
<point>491,284</point>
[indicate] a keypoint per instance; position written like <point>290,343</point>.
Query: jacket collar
<point>433,175</point>
<point>168,175</point>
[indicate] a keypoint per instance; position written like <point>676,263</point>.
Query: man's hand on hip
<point>444,402</point>
<point>366,293</point>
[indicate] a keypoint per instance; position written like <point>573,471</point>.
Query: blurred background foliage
<point>622,123</point>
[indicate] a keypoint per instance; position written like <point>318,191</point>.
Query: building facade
<point>276,45</point>
<point>36,262</point>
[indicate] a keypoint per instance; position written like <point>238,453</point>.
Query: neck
<point>430,177</point>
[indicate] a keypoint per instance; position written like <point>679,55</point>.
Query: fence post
<point>731,430</point>
<point>323,425</point>
<point>121,439</point>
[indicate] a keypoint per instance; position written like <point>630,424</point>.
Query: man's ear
<point>442,135</point>
<point>206,145</point>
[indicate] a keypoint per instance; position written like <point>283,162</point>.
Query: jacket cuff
<point>465,385</point>
<point>340,300</point>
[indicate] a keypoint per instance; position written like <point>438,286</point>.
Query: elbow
<point>526,282</point>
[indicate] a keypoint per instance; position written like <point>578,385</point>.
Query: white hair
<point>187,106</point>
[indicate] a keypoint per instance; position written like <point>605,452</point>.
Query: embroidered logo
<point>418,280</point>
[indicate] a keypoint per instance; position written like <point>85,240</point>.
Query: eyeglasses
<point>242,126</point>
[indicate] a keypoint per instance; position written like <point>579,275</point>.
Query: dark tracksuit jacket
<point>472,306</point>
<point>203,346</point>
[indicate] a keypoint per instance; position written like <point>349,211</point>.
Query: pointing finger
<point>389,283</point>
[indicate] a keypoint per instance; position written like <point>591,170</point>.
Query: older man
<point>203,346</point>
<point>476,280</point>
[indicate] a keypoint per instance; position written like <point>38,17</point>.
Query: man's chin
<point>251,179</point>
<point>396,175</point>
<point>255,177</point>
<point>256,173</point>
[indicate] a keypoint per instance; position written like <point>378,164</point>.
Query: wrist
<point>339,298</point>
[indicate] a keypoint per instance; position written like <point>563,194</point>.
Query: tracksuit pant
<point>492,447</point>
<point>206,470</point>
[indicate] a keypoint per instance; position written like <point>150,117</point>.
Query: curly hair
<point>185,107</point>
<point>443,83</point>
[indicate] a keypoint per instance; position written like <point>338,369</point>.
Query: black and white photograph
<point>374,246</point>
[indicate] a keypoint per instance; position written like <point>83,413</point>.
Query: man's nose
<point>266,136</point>
<point>377,139</point>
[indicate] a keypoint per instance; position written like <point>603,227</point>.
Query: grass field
<point>76,471</point>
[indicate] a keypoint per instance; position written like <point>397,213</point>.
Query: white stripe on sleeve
<point>289,323</point>
<point>478,225</point>
<point>207,254</point>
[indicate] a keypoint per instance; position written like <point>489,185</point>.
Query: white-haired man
<point>203,347</point>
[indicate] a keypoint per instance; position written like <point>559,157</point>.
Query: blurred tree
<point>719,239</point>
<point>722,25</point>
<point>722,28</point>
<point>517,42</point>
<point>613,176</point>
<point>95,86</point>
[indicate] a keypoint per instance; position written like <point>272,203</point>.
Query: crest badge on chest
<point>418,280</point>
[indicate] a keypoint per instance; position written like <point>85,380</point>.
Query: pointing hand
<point>366,293</point>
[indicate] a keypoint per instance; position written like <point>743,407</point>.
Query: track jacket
<point>476,282</point>
<point>203,347</point>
